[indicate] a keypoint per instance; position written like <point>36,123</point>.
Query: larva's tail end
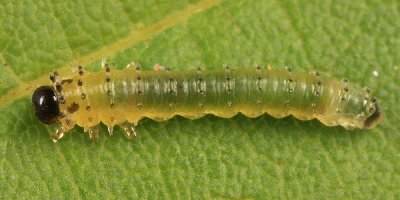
<point>374,119</point>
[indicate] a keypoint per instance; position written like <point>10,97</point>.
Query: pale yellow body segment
<point>118,96</point>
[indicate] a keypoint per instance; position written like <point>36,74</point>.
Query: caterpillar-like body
<point>123,97</point>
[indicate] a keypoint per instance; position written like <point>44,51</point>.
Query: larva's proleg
<point>123,97</point>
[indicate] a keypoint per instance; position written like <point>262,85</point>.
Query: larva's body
<point>119,96</point>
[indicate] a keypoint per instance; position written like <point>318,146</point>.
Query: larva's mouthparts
<point>45,103</point>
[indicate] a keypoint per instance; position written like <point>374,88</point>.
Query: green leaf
<point>210,157</point>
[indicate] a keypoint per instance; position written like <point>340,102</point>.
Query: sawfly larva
<point>123,97</point>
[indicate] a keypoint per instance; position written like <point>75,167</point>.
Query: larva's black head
<point>374,118</point>
<point>44,99</point>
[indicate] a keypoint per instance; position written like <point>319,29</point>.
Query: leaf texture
<point>209,157</point>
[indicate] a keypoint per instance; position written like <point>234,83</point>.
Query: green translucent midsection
<point>131,95</point>
<point>161,95</point>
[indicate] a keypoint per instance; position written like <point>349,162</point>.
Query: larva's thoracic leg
<point>129,129</point>
<point>59,131</point>
<point>58,134</point>
<point>93,132</point>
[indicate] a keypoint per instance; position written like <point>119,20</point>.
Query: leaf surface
<point>210,157</point>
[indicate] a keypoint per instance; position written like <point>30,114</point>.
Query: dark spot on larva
<point>317,93</point>
<point>367,90</point>
<point>69,81</point>
<point>346,89</point>
<point>108,79</point>
<point>56,73</point>
<point>290,80</point>
<point>80,82</point>
<point>83,96</point>
<point>200,79</point>
<point>88,108</point>
<point>140,92</point>
<point>80,72</point>
<point>344,80</point>
<point>109,92</point>
<point>139,105</point>
<point>138,77</point>
<point>343,99</point>
<point>52,78</point>
<point>90,119</point>
<point>259,78</point>
<point>108,69</point>
<point>290,90</point>
<point>289,69</point>
<point>112,105</point>
<point>137,68</point>
<point>80,67</point>
<point>319,82</point>
<point>112,118</point>
<point>199,69</point>
<point>317,74</point>
<point>228,78</point>
<point>258,67</point>
<point>73,108</point>
<point>373,99</point>
<point>168,69</point>
<point>58,87</point>
<point>171,79</point>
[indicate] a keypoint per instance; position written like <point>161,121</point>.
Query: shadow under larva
<point>124,97</point>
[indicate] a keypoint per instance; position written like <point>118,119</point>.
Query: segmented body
<point>116,96</point>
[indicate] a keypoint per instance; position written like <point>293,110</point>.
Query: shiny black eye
<point>44,100</point>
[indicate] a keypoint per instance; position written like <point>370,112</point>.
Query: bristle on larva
<point>123,97</point>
